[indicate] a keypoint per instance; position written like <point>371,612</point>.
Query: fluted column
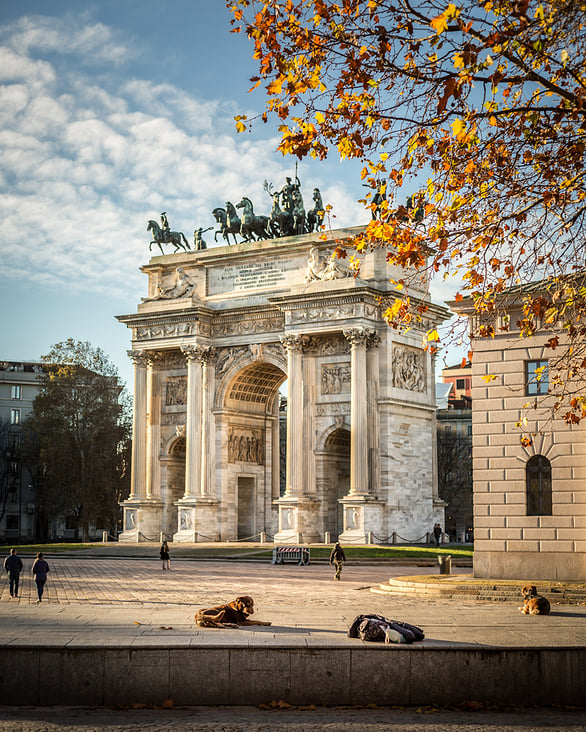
<point>358,338</point>
<point>294,469</point>
<point>193,422</point>
<point>153,426</point>
<point>207,434</point>
<point>139,425</point>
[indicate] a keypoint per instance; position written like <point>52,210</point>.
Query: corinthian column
<point>193,423</point>
<point>358,338</point>
<point>139,425</point>
<point>294,469</point>
<point>208,362</point>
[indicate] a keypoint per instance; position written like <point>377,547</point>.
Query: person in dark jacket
<point>165,555</point>
<point>13,565</point>
<point>337,558</point>
<point>40,569</point>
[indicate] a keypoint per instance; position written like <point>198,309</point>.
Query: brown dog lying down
<point>231,615</point>
<point>534,604</point>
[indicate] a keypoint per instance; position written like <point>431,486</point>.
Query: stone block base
<point>530,565</point>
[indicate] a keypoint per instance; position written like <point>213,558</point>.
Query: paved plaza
<point>130,602</point>
<point>125,618</point>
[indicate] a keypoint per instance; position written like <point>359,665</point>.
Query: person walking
<point>337,558</point>
<point>437,533</point>
<point>13,565</point>
<point>165,555</point>
<point>40,569</point>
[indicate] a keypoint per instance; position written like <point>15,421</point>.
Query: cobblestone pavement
<point>250,719</point>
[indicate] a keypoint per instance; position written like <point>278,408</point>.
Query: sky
<point>110,113</point>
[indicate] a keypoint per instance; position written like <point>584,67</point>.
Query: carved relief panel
<point>336,378</point>
<point>409,368</point>
<point>176,391</point>
<point>246,445</point>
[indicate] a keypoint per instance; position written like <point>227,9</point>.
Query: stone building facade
<point>529,499</point>
<point>218,335</point>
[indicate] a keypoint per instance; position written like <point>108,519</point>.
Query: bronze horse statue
<point>280,222</point>
<point>315,215</point>
<point>229,222</point>
<point>252,225</point>
<point>160,237</point>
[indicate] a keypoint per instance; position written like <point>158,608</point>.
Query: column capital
<point>362,337</point>
<point>294,342</point>
<point>203,354</point>
<point>139,358</point>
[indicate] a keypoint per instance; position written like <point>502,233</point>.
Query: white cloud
<point>85,165</point>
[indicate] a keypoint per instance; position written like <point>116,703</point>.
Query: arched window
<point>538,480</point>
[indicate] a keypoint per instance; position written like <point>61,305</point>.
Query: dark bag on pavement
<point>372,628</point>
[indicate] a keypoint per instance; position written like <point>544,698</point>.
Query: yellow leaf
<point>432,335</point>
<point>488,378</point>
<point>458,126</point>
<point>439,24</point>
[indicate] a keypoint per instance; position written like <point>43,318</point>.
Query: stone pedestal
<point>197,520</point>
<point>298,520</point>
<point>362,515</point>
<point>143,518</point>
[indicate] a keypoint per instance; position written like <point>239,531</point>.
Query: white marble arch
<point>253,318</point>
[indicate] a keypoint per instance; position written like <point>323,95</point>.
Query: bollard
<point>369,538</point>
<point>104,537</point>
<point>327,537</point>
<point>263,537</point>
<point>394,538</point>
<point>445,564</point>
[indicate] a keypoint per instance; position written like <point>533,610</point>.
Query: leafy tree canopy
<point>79,433</point>
<point>480,107</point>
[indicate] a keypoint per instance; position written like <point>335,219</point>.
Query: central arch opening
<point>252,404</point>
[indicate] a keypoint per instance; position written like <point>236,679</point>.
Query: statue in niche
<point>408,369</point>
<point>131,519</point>
<point>198,241</point>
<point>176,392</point>
<point>163,235</point>
<point>181,286</point>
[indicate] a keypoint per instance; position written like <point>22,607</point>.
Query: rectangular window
<point>460,383</point>
<point>15,416</point>
<point>537,376</point>
<point>15,391</point>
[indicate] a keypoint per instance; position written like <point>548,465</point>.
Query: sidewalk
<point>128,626</point>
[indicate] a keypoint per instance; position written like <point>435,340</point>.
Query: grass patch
<point>48,548</point>
<point>395,552</point>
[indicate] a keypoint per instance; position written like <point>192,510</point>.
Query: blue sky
<point>111,112</point>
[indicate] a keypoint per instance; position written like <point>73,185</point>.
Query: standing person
<point>165,555</point>
<point>337,558</point>
<point>40,570</point>
<point>437,532</point>
<point>13,565</point>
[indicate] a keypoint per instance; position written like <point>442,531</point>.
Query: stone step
<point>502,591</point>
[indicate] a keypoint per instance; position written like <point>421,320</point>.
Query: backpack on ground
<point>378,629</point>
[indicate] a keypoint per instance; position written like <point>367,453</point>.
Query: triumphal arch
<point>219,334</point>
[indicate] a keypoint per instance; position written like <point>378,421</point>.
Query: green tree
<point>478,109</point>
<point>79,432</point>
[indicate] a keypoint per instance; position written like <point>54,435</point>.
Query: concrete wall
<point>374,674</point>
